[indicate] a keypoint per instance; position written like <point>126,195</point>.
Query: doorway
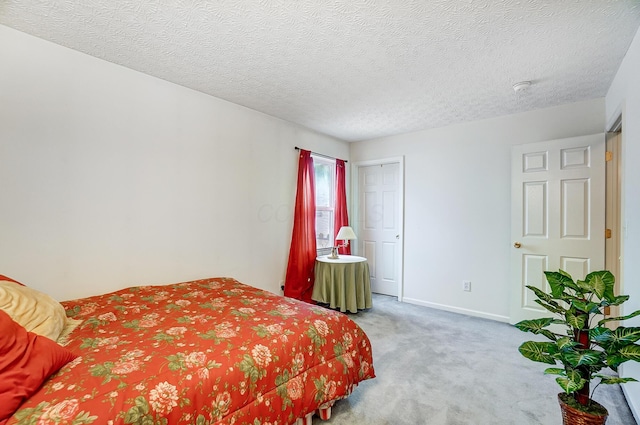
<point>613,218</point>
<point>378,194</point>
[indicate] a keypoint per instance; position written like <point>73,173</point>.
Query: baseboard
<point>490,316</point>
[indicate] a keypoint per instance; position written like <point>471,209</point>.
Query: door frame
<point>355,207</point>
<point>613,245</point>
<point>618,208</point>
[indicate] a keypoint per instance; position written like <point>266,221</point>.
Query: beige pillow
<point>37,312</point>
<point>69,326</point>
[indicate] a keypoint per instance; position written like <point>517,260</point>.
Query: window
<point>325,182</point>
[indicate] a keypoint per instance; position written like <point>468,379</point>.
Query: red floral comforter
<point>212,351</point>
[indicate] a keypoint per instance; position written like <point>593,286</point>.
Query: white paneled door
<point>557,215</point>
<point>379,224</point>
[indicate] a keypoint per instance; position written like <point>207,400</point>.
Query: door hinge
<point>607,233</point>
<point>608,156</point>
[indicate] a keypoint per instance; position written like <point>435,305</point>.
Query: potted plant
<point>588,346</point>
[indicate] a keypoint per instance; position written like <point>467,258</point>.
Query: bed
<point>211,351</point>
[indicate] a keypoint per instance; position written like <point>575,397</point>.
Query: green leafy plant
<point>589,346</point>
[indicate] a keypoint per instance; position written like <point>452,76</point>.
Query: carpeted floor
<point>435,367</point>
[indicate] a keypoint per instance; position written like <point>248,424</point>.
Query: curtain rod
<point>319,154</point>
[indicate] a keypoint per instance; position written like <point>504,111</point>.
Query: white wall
<point>624,98</point>
<point>109,177</point>
<point>457,202</point>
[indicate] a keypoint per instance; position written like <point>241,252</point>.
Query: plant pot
<point>574,416</point>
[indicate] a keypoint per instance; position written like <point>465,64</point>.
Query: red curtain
<point>302,254</point>
<point>342,218</point>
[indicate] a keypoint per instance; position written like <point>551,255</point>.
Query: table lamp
<point>345,234</point>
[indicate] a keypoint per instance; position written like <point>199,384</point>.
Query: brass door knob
<point>517,245</point>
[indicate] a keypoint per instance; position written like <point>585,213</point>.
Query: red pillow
<point>3,277</point>
<point>26,361</point>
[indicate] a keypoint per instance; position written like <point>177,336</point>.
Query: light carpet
<point>435,367</point>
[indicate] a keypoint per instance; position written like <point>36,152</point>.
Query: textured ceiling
<point>354,69</point>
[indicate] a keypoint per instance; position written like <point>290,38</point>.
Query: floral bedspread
<point>212,351</point>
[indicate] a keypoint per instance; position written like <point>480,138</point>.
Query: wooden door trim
<point>613,207</point>
<point>355,207</point>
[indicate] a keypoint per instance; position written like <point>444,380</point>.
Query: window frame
<point>331,209</point>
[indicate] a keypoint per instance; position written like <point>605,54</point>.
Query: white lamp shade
<point>345,233</point>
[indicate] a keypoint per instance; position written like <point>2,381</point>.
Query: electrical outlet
<point>466,285</point>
